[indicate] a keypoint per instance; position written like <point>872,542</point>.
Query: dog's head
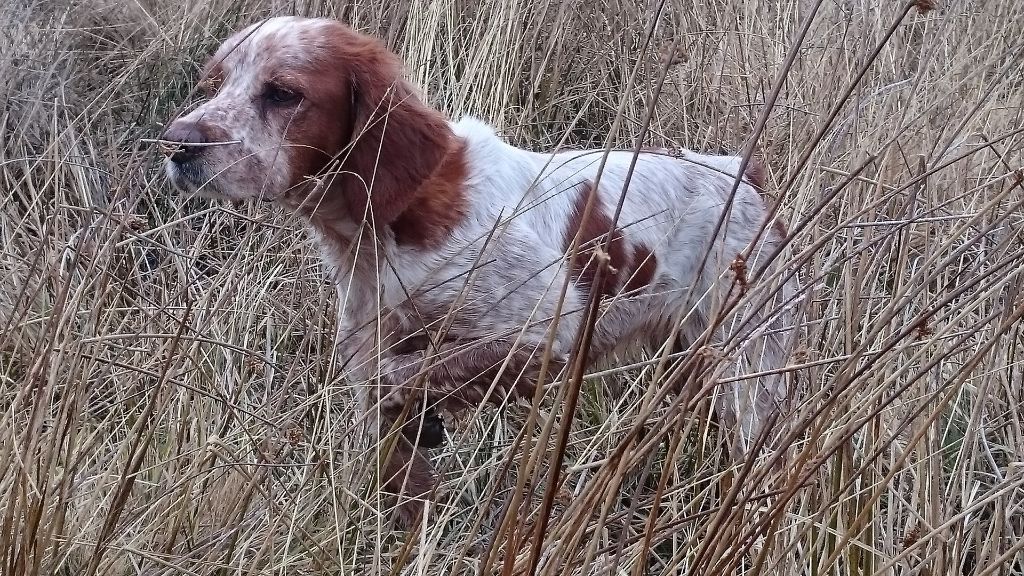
<point>296,106</point>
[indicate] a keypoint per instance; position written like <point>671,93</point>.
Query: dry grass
<point>169,405</point>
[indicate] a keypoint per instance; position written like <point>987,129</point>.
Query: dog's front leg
<point>406,472</point>
<point>457,375</point>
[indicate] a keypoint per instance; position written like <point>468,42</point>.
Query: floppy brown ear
<point>397,141</point>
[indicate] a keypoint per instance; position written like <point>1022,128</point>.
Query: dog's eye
<point>281,95</point>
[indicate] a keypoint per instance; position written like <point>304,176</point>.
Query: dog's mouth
<point>190,178</point>
<point>185,177</point>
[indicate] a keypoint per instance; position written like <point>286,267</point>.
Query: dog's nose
<point>183,140</point>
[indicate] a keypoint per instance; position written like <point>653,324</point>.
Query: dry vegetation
<point>168,404</point>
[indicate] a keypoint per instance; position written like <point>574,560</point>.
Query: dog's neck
<point>437,205</point>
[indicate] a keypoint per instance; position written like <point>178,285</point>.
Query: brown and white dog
<point>450,248</point>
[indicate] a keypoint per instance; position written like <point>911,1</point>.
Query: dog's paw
<point>425,430</point>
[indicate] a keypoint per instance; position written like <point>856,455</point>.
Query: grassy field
<point>169,404</point>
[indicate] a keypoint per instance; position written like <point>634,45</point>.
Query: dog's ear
<point>396,141</point>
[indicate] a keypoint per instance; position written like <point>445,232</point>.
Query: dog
<point>464,264</point>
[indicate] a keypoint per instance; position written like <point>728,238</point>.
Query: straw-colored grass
<point>168,400</point>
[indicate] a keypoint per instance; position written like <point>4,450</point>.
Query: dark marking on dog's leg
<point>424,429</point>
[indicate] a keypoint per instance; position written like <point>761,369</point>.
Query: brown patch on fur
<point>592,232</point>
<point>642,269</point>
<point>438,205</point>
<point>755,172</point>
<point>477,366</point>
<point>319,130</point>
<point>462,372</point>
<point>397,141</point>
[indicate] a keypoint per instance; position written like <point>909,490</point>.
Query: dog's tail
<point>758,391</point>
<point>763,329</point>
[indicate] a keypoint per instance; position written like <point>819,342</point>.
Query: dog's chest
<point>477,285</point>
